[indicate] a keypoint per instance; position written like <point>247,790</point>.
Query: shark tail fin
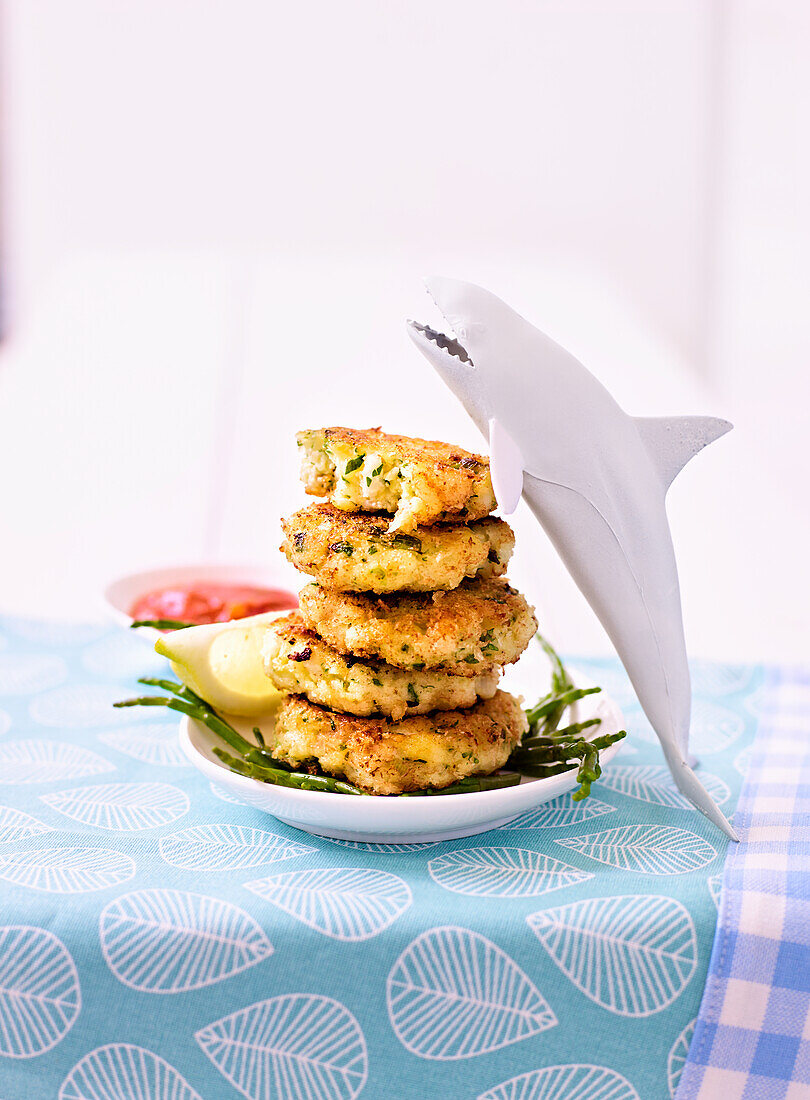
<point>673,440</point>
<point>690,786</point>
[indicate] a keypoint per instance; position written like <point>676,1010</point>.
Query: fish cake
<point>387,757</point>
<point>475,627</point>
<point>353,552</point>
<point>298,661</point>
<point>415,480</point>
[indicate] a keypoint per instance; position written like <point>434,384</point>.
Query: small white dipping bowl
<point>120,594</point>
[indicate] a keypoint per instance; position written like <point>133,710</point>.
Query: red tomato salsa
<point>209,602</point>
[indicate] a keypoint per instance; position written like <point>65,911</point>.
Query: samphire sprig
<point>251,760</point>
<point>257,762</point>
<point>161,624</point>
<point>546,749</point>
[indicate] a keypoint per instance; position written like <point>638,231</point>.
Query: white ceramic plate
<point>120,594</point>
<point>403,820</point>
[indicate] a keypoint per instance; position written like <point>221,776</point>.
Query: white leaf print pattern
<point>125,807</point>
<point>677,1057</point>
<point>503,872</point>
<point>559,812</point>
<point>653,783</point>
<point>227,848</point>
<point>171,941</point>
<point>370,846</point>
<point>648,849</point>
<point>715,884</point>
<point>709,678</point>
<point>742,761</point>
<point>612,678</point>
<point>67,870</point>
<point>123,1071</point>
<point>5,722</point>
<point>53,633</point>
<point>44,761</point>
<point>760,698</point>
<point>23,674</point>
<point>453,994</point>
<point>122,656</point>
<point>226,796</point>
<point>714,727</point>
<point>345,903</point>
<point>569,1082</point>
<point>153,743</point>
<point>16,825</point>
<point>294,1047</point>
<point>631,954</point>
<point>638,727</point>
<point>39,991</point>
<point>79,706</point>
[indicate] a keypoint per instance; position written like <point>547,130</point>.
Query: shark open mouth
<point>446,343</point>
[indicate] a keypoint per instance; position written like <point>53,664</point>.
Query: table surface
<point>160,940</point>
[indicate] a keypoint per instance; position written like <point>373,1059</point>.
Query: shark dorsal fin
<point>673,440</point>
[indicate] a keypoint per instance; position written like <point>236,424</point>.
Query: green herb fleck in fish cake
<point>353,552</point>
<point>477,626</point>
<point>385,757</point>
<point>417,481</point>
<point>298,661</point>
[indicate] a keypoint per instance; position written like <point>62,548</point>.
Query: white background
<point>216,217</point>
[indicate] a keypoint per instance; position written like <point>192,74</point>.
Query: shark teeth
<point>446,343</point>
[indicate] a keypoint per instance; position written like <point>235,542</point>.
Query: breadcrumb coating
<point>353,552</point>
<point>477,626</point>
<point>387,757</point>
<point>298,661</point>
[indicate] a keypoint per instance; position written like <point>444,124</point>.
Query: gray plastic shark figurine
<point>596,480</point>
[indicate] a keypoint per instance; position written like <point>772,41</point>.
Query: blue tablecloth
<point>161,942</point>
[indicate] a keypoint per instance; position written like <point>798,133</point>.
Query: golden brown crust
<point>297,660</point>
<point>386,757</point>
<point>353,551</point>
<point>478,625</point>
<point>419,481</point>
<point>407,448</point>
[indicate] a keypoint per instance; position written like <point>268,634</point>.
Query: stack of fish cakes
<point>393,659</point>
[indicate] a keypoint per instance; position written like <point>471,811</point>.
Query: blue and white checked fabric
<point>752,1037</point>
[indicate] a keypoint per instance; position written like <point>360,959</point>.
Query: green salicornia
<point>162,624</point>
<point>550,704</point>
<point>548,750</point>
<point>470,784</point>
<point>545,750</point>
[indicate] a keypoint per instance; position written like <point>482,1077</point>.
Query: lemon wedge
<point>222,663</point>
